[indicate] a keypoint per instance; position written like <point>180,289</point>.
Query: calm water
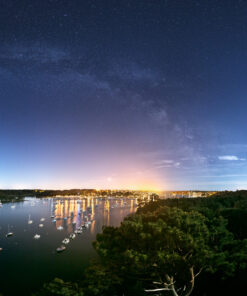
<point>26,263</point>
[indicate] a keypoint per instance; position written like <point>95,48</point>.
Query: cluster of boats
<point>84,216</point>
<point>66,241</point>
<point>72,236</point>
<point>78,230</point>
<point>29,221</point>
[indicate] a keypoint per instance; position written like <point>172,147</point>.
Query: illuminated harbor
<point>31,243</point>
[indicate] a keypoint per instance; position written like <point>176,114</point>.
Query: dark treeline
<point>214,204</point>
<point>8,194</point>
<point>176,247</point>
<point>15,194</point>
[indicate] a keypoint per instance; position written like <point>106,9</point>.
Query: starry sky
<point>138,94</point>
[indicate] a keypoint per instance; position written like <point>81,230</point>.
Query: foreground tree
<point>164,251</point>
<point>100,280</point>
<point>60,288</point>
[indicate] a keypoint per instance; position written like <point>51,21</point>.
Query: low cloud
<point>230,158</point>
<point>168,164</point>
<point>164,161</point>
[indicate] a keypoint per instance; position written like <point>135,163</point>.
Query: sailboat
<point>65,241</point>
<point>78,231</point>
<point>61,249</point>
<point>29,220</point>
<point>9,233</point>
<point>72,236</point>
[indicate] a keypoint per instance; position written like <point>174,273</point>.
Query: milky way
<point>123,94</point>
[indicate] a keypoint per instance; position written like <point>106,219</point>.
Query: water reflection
<point>72,213</point>
<point>22,249</point>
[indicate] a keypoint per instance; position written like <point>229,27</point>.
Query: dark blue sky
<point>123,94</point>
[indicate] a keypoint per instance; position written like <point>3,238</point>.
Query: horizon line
<point>125,189</point>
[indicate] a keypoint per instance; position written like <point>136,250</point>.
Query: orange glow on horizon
<point>135,180</point>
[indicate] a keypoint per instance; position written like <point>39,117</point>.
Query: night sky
<point>123,94</point>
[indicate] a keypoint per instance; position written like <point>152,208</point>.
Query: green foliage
<point>237,221</point>
<point>183,246</point>
<point>169,243</point>
<point>206,205</point>
<point>60,288</point>
<point>99,280</point>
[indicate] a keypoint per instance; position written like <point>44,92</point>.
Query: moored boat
<point>61,249</point>
<point>65,241</point>
<point>72,236</point>
<point>78,231</point>
<point>9,233</point>
<point>29,220</point>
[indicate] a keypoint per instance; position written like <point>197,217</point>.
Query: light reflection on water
<point>27,262</point>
